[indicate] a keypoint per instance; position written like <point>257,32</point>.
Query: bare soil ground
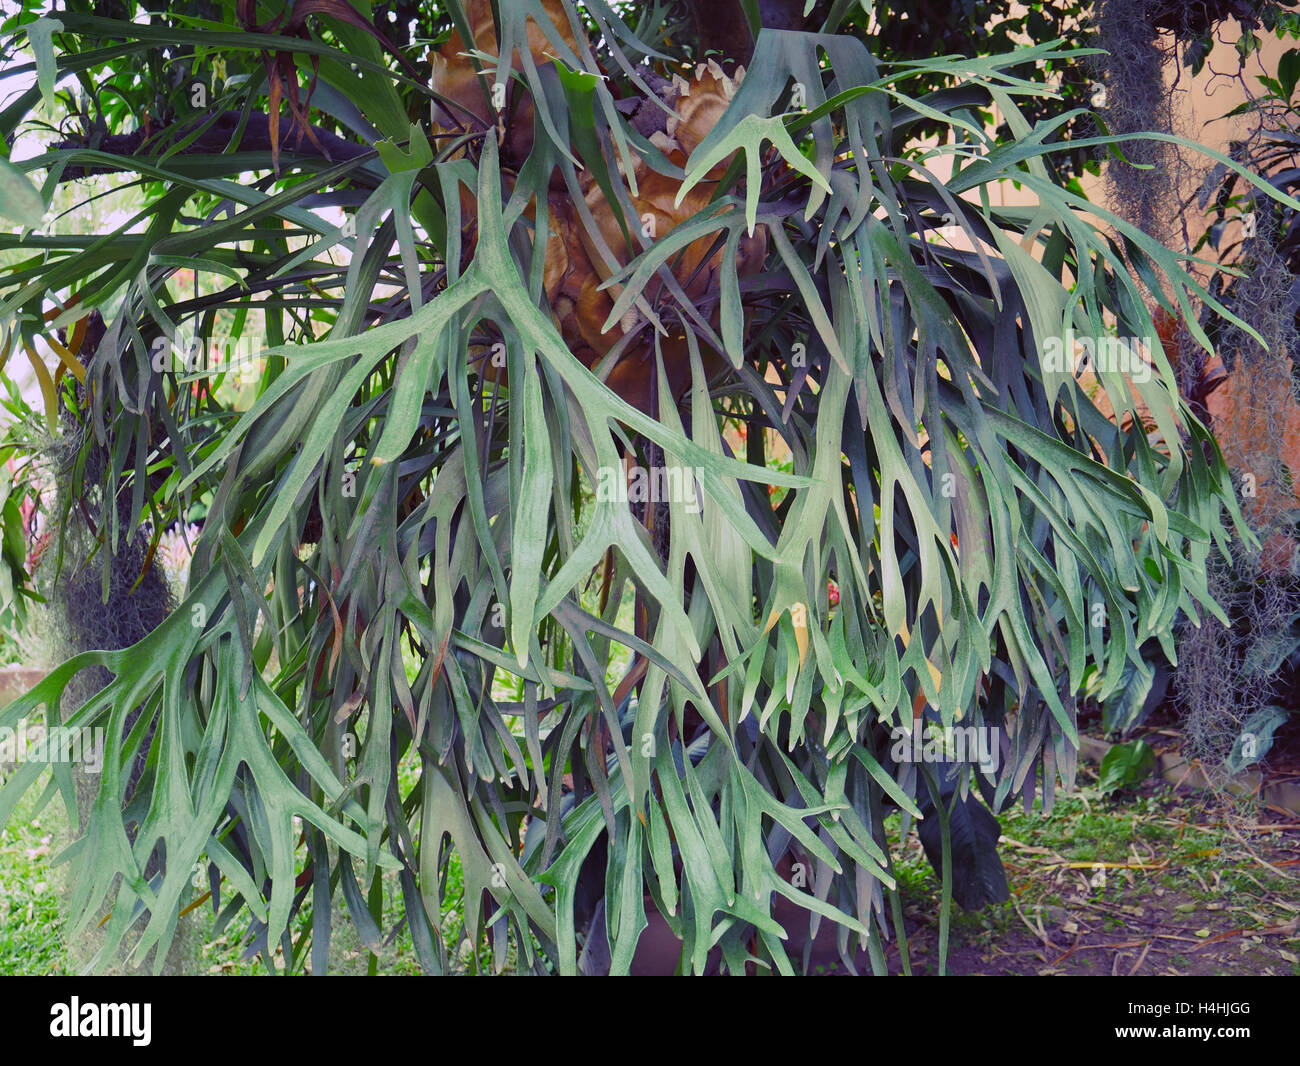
<point>1153,881</point>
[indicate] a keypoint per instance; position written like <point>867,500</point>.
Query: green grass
<point>31,937</point>
<point>1184,866</point>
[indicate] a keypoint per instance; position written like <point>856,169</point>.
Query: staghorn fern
<point>975,509</point>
